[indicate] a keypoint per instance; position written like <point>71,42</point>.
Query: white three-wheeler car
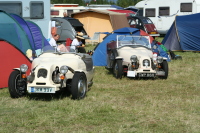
<point>132,56</point>
<point>53,71</point>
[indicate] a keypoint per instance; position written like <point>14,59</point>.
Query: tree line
<point>121,3</point>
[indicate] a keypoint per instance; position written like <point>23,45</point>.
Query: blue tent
<point>25,27</point>
<point>184,34</point>
<point>38,38</point>
<point>100,52</point>
<point>33,32</point>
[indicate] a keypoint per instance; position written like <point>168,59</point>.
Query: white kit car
<point>132,56</point>
<point>53,71</point>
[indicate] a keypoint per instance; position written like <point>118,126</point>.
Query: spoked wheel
<point>79,86</point>
<point>164,66</point>
<point>117,69</point>
<point>17,87</point>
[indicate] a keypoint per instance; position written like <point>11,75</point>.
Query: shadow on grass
<point>48,97</point>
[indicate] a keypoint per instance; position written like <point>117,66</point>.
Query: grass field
<point>114,106</point>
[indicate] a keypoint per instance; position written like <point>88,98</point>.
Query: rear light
<point>152,33</point>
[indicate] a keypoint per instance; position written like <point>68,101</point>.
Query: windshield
<point>147,21</point>
<point>124,40</point>
<point>60,49</point>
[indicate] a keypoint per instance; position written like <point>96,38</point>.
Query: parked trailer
<point>37,11</point>
<point>163,12</point>
<point>57,10</point>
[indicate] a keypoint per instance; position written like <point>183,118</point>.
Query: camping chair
<point>95,37</point>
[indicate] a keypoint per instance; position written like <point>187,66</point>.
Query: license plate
<point>131,74</point>
<point>41,90</point>
<point>146,75</point>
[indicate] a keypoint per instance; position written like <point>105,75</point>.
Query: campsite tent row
<point>16,37</point>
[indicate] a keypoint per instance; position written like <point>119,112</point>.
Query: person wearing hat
<point>77,44</point>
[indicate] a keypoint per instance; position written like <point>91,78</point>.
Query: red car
<point>143,23</point>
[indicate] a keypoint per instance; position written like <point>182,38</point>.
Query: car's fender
<point>118,57</point>
<point>18,69</point>
<point>164,58</point>
<point>79,71</point>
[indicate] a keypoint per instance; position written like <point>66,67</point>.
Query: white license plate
<point>41,90</point>
<point>146,75</point>
<point>131,74</point>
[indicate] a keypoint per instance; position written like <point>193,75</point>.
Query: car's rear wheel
<point>117,69</point>
<point>79,86</point>
<point>164,66</point>
<point>17,87</point>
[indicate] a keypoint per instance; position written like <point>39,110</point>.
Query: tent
<point>22,34</point>
<point>11,57</point>
<point>184,34</point>
<point>100,52</point>
<point>39,40</point>
<point>100,21</point>
<point>33,32</point>
<point>11,31</point>
<point>127,12</point>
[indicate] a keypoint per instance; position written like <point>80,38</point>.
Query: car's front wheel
<point>164,66</point>
<point>117,69</point>
<point>16,85</point>
<point>79,86</point>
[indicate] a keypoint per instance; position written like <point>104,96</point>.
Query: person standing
<point>65,15</point>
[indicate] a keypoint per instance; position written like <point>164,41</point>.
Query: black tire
<point>164,66</point>
<point>16,89</point>
<point>115,54</point>
<point>79,86</point>
<point>117,69</point>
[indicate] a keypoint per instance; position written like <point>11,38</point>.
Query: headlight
<point>23,68</point>
<point>133,58</point>
<point>30,78</point>
<point>160,59</point>
<point>63,69</point>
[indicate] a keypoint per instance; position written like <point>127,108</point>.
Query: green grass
<point>114,106</point>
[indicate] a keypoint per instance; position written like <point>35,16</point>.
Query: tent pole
<point>176,30</point>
